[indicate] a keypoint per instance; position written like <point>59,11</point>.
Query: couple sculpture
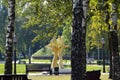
<point>57,46</point>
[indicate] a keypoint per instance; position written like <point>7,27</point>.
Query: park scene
<point>59,39</point>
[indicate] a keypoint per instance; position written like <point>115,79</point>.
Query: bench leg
<point>56,70</point>
<point>50,71</point>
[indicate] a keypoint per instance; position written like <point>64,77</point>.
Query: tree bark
<point>9,36</point>
<point>114,36</point>
<point>78,52</point>
<point>110,51</point>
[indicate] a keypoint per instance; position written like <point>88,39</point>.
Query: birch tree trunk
<point>9,36</point>
<point>78,53</point>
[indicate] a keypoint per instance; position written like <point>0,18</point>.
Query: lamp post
<point>103,43</point>
<point>14,41</point>
<point>98,50</point>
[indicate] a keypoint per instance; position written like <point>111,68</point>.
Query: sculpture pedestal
<point>62,71</point>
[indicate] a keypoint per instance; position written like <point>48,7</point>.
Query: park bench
<point>93,75</point>
<point>13,77</point>
<point>49,57</point>
<point>38,68</point>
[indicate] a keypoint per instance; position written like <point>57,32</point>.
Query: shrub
<point>99,62</point>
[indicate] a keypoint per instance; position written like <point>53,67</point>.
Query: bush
<point>99,62</point>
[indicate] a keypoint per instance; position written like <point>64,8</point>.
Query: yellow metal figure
<point>57,46</point>
<point>53,46</point>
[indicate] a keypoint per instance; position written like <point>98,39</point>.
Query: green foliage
<point>53,18</point>
<point>3,15</point>
<point>97,26</point>
<point>67,36</point>
<point>93,2</point>
<point>48,16</point>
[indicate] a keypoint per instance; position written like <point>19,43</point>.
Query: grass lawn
<point>21,69</point>
<point>97,67</point>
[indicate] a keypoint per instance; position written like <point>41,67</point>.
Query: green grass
<point>97,67</point>
<point>1,68</point>
<point>21,68</point>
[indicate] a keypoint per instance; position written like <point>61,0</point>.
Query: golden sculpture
<point>57,46</point>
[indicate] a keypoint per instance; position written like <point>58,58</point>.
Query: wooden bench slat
<point>13,77</point>
<point>38,68</point>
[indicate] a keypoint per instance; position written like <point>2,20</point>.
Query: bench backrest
<point>13,77</point>
<point>50,57</point>
<point>93,75</point>
<point>37,66</point>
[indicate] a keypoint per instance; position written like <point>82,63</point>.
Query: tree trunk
<point>114,36</point>
<point>110,51</point>
<point>116,58</point>
<point>9,36</point>
<point>78,53</point>
<point>109,36</point>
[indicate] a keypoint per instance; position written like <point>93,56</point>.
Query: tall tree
<point>9,36</point>
<point>78,42</point>
<point>114,37</point>
<point>107,20</point>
